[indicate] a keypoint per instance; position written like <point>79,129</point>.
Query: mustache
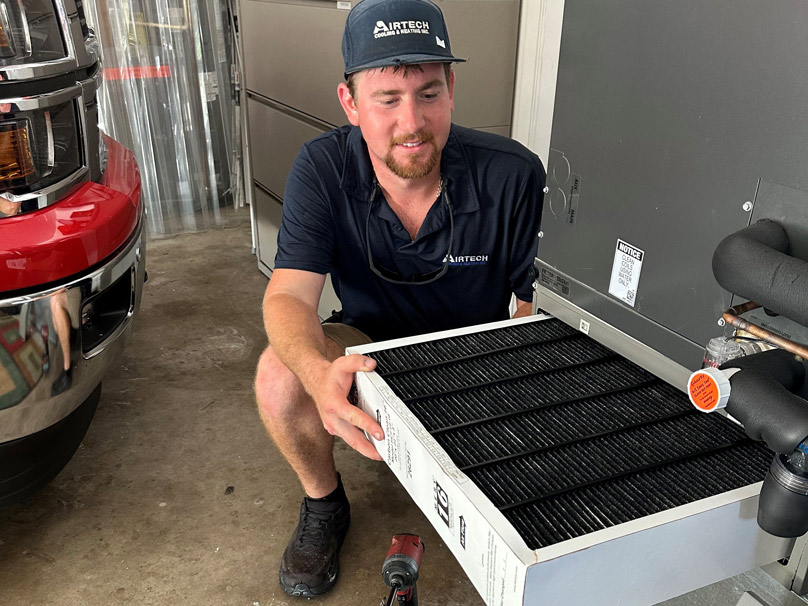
<point>421,135</point>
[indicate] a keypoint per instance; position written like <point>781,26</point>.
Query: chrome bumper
<point>92,315</point>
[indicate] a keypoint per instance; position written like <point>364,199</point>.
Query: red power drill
<point>400,569</point>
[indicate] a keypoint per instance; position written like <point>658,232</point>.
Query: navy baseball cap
<point>383,33</point>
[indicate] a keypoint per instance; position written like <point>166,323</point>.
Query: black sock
<point>336,495</point>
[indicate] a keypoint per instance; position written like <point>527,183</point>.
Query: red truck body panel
<point>76,233</point>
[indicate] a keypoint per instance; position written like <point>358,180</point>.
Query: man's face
<point>404,116</point>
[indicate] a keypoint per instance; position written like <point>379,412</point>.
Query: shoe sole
<point>304,591</point>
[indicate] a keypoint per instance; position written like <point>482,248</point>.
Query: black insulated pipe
<point>783,504</point>
<point>762,398</point>
<point>754,263</point>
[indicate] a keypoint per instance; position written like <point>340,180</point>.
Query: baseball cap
<point>383,33</point>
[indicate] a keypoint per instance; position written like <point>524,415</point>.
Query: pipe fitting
<point>757,390</point>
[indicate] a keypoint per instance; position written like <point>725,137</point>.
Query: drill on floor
<point>400,569</point>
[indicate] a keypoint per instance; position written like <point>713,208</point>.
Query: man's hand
<point>340,418</point>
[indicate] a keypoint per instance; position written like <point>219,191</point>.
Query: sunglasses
<point>395,277</point>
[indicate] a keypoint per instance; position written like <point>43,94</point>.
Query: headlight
<point>42,151</point>
<point>30,32</point>
<point>38,39</point>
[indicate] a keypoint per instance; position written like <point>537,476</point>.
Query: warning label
<point>626,272</point>
<point>703,391</point>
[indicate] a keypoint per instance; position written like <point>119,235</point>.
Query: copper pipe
<point>762,333</point>
<point>741,309</point>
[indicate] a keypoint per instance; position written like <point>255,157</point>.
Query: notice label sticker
<point>626,272</point>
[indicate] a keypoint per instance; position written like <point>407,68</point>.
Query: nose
<point>411,116</point>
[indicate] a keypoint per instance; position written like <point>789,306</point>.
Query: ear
<point>348,103</point>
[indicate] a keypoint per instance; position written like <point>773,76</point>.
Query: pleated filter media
<point>534,450</point>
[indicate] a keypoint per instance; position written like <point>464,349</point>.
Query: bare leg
<point>292,420</point>
<point>61,322</point>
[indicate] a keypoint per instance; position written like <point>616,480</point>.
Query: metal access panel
<point>670,118</point>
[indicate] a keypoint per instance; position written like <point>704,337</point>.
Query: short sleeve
<point>525,226</point>
<point>306,236</point>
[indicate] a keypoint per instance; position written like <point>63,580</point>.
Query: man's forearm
<point>296,336</point>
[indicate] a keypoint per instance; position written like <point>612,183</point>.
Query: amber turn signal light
<point>16,160</point>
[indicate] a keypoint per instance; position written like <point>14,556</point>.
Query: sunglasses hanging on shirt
<point>394,276</point>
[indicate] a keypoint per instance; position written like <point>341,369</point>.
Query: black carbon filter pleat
<point>564,436</point>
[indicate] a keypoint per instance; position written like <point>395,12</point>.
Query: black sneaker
<point>62,382</point>
<point>310,564</point>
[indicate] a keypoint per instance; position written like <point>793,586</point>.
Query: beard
<point>413,168</point>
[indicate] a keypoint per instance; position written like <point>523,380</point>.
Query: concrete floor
<point>176,495</point>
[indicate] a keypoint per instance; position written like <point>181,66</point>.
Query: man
<point>423,226</point>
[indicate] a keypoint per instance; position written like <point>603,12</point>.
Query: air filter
<point>535,451</point>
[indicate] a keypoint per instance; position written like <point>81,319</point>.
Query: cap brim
<point>404,60</point>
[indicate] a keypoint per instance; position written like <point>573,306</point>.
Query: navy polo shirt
<point>495,186</point>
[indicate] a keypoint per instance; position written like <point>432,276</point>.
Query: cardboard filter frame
<point>637,563</point>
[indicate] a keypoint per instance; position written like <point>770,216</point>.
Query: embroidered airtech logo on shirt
<point>397,28</point>
<point>466,260</point>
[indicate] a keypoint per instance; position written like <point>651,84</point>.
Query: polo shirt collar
<point>358,176</point>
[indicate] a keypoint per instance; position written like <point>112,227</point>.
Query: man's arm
<point>293,327</point>
<point>523,308</point>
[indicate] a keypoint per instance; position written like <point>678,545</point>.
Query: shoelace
<point>314,526</point>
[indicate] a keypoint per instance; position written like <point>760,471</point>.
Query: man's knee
<point>278,391</point>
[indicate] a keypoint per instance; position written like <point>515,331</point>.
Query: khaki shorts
<point>344,335</point>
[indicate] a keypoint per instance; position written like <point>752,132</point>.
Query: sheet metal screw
<point>722,322</point>
<point>747,206</point>
<point>540,234</point>
<point>546,189</point>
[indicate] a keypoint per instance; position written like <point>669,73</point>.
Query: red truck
<point>72,247</point>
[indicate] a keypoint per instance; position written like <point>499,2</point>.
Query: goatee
<point>414,168</point>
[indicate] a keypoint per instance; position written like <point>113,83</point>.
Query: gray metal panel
<point>268,211</point>
<point>727,592</point>
<point>592,323</point>
<point>505,131</point>
<point>292,55</point>
<point>275,139</point>
<point>667,115</point>
<point>328,300</point>
<point>484,32</point>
